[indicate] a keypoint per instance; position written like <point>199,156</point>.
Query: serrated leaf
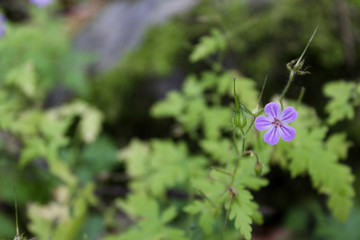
<point>219,150</point>
<point>208,45</point>
<point>192,87</point>
<point>241,210</point>
<point>338,145</point>
<point>172,106</point>
<point>215,120</point>
<point>90,124</point>
<point>339,106</point>
<point>161,165</point>
<point>136,156</point>
<point>309,154</point>
<point>207,221</point>
<point>245,88</point>
<point>169,214</point>
<point>24,79</point>
<point>152,223</point>
<point>194,207</point>
<point>246,175</point>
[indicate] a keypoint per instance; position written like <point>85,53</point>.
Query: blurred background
<point>79,81</point>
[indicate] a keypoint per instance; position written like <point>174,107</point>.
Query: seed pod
<point>258,168</point>
<point>240,119</point>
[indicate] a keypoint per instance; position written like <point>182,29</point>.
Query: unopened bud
<point>240,119</point>
<point>258,168</point>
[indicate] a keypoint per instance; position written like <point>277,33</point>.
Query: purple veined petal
<point>287,133</point>
<point>288,115</point>
<point>2,25</point>
<point>272,136</point>
<point>273,110</point>
<point>263,123</point>
<point>41,3</point>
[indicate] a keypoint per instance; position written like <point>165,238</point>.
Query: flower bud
<point>258,168</point>
<point>240,119</point>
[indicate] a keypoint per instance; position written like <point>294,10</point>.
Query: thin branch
<point>16,216</point>
<point>262,91</point>
<point>227,213</point>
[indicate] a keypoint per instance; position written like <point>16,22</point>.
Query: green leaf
<point>219,150</point>
<point>208,214</point>
<point>90,118</point>
<point>95,158</point>
<point>161,165</point>
<point>339,107</point>
<point>152,223</point>
<point>169,214</point>
<point>24,79</point>
<point>337,145</point>
<point>207,221</point>
<point>172,106</point>
<point>194,207</point>
<point>246,175</point>
<point>136,157</point>
<point>208,45</point>
<point>312,153</point>
<point>242,211</point>
<point>192,87</point>
<point>216,119</point>
<point>245,88</point>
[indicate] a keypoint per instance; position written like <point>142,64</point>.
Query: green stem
<point>235,145</point>
<point>16,216</point>
<point>262,91</point>
<point>253,121</point>
<point>302,92</point>
<point>291,78</point>
<point>207,198</point>
<point>238,155</point>
<point>227,215</point>
<point>307,45</point>
<point>221,171</point>
<point>253,152</point>
<point>296,68</point>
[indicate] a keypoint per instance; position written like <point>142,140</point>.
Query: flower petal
<point>287,133</point>
<point>273,110</point>
<point>263,123</point>
<point>288,115</point>
<point>272,136</point>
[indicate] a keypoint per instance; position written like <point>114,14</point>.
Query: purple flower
<point>276,123</point>
<point>2,25</point>
<point>41,3</point>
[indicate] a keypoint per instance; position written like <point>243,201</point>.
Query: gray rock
<point>120,26</point>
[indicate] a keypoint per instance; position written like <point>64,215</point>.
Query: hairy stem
<point>262,91</point>
<point>207,198</point>
<point>253,152</point>
<point>291,78</point>
<point>301,95</point>
<point>296,69</point>
<point>238,156</point>
<point>16,215</point>
<point>227,214</point>
<point>221,171</point>
<point>253,120</point>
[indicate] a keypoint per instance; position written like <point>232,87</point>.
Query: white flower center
<point>277,122</point>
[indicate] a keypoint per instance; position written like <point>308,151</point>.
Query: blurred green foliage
<point>44,43</point>
<point>182,186</point>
